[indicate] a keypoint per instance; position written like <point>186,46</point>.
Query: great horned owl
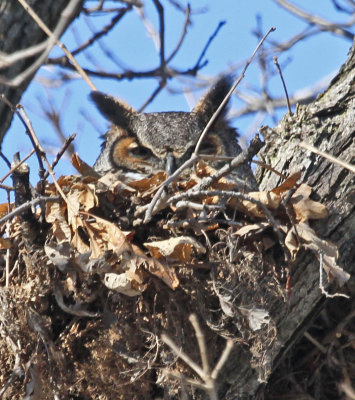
<point>139,144</point>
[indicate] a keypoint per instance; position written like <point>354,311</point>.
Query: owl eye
<point>139,151</point>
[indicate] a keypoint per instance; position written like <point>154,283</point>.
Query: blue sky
<point>307,63</point>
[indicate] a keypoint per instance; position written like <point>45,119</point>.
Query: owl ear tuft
<point>209,103</point>
<point>115,110</point>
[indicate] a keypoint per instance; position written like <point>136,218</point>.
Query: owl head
<point>145,143</point>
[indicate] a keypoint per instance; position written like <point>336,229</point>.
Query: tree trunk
<point>19,31</point>
<point>328,124</point>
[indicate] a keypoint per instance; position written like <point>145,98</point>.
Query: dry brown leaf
<point>253,228</point>
<point>103,236</point>
<point>178,248</point>
<point>65,182</point>
<point>5,243</point>
<point>82,167</point>
<point>56,216</point>
<point>134,267</point>
<point>186,185</point>
<point>122,283</point>
<point>5,208</point>
<point>78,239</point>
<point>162,271</point>
<point>82,196</point>
<point>310,240</point>
<point>289,183</point>
<point>271,200</point>
<point>304,207</point>
<point>203,170</point>
<point>149,185</point>
<point>110,182</point>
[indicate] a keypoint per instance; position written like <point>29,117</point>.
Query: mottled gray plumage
<point>139,144</point>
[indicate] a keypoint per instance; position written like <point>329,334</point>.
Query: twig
<point>2,155</point>
<point>161,86</point>
<point>7,258</point>
<point>53,39</point>
<point>160,10</point>
<point>198,206</point>
<point>28,204</point>
<point>315,19</point>
<point>17,371</point>
<point>269,168</point>
<point>39,148</point>
<point>208,383</point>
<point>223,359</point>
<point>185,223</point>
<point>243,157</point>
<point>182,355</point>
<point>28,126</point>
<point>321,284</point>
<point>225,100</point>
<point>183,34</point>
<point>60,153</point>
<point>328,156</point>
<point>201,343</point>
<point>6,187</point>
<point>320,347</point>
<point>6,60</point>
<point>149,209</point>
<point>207,45</point>
<point>283,84</point>
<point>17,165</point>
<point>95,37</point>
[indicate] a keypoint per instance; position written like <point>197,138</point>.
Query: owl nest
<point>92,283</point>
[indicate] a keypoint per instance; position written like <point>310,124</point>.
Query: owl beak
<point>170,163</point>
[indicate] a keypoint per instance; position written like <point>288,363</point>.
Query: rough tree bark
<point>19,31</point>
<point>328,124</point>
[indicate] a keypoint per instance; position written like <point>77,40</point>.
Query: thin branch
<point>31,133</point>
<point>94,38</point>
<point>28,126</point>
<point>29,204</point>
<point>17,165</point>
<point>283,84</point>
<point>208,383</point>
<point>6,60</point>
<point>64,20</point>
<point>183,34</point>
<point>201,343</point>
<point>315,19</point>
<point>182,355</point>
<point>160,87</point>
<point>207,45</point>
<point>223,359</point>
<point>328,156</point>
<point>160,10</point>
<point>321,284</point>
<point>225,100</point>
<point>242,158</point>
<point>60,153</point>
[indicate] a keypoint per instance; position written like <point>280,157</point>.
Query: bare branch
<point>328,156</point>
<point>283,84</point>
<point>316,20</point>
<point>29,204</point>
<point>64,20</point>
<point>225,100</point>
